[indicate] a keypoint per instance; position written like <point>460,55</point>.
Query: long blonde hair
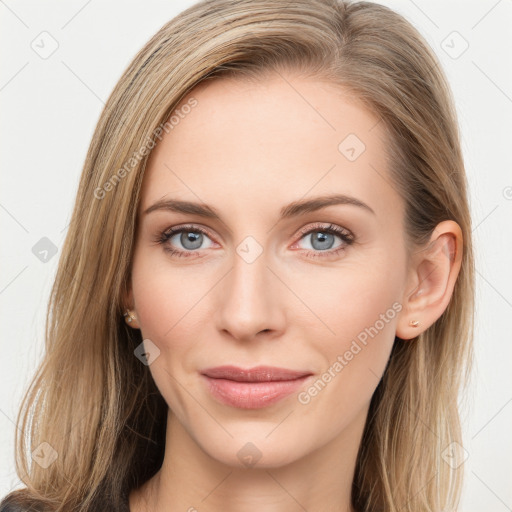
<point>97,406</point>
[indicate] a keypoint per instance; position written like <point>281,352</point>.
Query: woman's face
<point>257,279</point>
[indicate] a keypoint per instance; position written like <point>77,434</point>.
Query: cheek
<point>357,309</point>
<point>167,300</point>
<point>171,313</point>
<point>346,300</point>
<point>168,306</point>
<point>354,361</point>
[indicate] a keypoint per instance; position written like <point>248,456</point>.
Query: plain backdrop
<point>60,61</point>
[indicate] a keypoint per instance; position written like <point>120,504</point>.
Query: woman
<point>265,297</point>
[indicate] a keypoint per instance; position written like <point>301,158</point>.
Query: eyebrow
<point>291,210</point>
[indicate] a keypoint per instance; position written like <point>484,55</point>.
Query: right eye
<point>190,237</point>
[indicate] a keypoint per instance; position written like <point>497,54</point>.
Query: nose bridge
<point>249,300</point>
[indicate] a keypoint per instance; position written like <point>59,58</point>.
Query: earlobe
<point>131,319</point>
<point>129,313</point>
<point>432,280</point>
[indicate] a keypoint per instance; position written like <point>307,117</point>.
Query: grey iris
<point>195,238</point>
<point>321,238</point>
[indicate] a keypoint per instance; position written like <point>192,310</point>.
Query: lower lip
<point>252,395</point>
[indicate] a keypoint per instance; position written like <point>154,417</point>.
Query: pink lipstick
<point>253,388</point>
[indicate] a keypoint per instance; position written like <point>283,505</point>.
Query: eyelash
<point>346,236</point>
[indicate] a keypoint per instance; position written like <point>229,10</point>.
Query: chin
<point>255,451</point>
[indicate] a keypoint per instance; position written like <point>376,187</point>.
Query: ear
<point>432,276</point>
<point>128,304</point>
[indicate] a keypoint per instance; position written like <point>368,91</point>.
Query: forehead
<point>265,144</point>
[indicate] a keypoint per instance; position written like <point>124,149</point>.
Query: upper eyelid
<point>177,229</point>
<point>326,226</point>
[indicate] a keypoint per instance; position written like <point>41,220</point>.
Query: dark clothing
<point>9,504</point>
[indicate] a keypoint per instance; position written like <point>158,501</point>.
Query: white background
<point>49,111</point>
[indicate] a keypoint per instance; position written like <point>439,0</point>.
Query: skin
<point>248,150</point>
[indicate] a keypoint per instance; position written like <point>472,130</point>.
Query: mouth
<point>252,388</point>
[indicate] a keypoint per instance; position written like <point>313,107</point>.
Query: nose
<point>250,301</point>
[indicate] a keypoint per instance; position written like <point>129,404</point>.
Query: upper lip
<point>256,374</point>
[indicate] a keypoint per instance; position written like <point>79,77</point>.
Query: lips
<point>257,374</point>
<point>253,388</point>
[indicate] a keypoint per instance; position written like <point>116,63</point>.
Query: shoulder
<point>21,501</point>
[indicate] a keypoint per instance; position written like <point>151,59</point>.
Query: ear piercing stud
<point>128,316</point>
<point>414,323</point>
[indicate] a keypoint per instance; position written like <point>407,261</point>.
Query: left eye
<point>322,238</point>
